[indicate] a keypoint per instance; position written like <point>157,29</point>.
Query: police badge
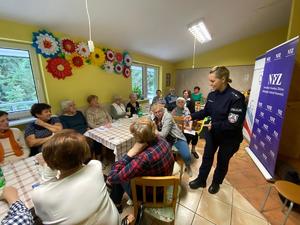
<point>232,118</point>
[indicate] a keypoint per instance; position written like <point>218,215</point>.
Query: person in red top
<point>150,156</point>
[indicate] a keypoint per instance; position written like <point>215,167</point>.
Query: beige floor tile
<point>190,198</point>
<point>183,216</point>
<point>225,193</point>
<point>200,220</point>
<point>240,202</point>
<point>214,210</point>
<point>240,217</point>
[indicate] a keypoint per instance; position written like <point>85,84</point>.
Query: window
<point>144,80</point>
<point>20,80</point>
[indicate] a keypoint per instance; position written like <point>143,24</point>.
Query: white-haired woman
<point>71,118</point>
<point>182,110</point>
<point>117,108</point>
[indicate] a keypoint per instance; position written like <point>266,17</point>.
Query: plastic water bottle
<point>2,179</point>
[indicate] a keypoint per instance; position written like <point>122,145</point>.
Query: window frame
<point>22,117</point>
<point>145,77</point>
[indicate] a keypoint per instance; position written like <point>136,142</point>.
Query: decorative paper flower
<point>110,55</point>
<point>118,68</point>
<point>67,46</point>
<point>126,72</point>
<point>83,50</point>
<point>127,59</point>
<point>97,57</point>
<point>108,67</point>
<point>59,68</point>
<point>76,60</point>
<point>119,57</point>
<point>45,44</point>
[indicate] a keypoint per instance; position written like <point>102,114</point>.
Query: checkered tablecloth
<point>21,175</point>
<point>118,137</point>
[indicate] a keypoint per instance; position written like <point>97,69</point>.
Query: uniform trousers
<point>226,150</point>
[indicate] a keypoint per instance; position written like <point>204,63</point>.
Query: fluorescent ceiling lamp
<point>200,32</point>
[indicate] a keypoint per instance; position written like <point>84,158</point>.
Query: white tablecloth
<point>21,175</point>
<point>118,137</point>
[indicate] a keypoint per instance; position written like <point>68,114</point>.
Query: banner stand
<point>259,165</point>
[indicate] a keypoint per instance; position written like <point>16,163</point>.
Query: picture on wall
<point>168,79</point>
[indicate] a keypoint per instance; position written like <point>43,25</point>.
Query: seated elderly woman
<point>78,195</point>
<point>71,118</point>
<point>12,143</point>
<point>150,156</point>
<point>117,108</point>
<point>168,129</point>
<point>182,110</point>
<point>132,106</point>
<point>42,129</point>
<point>96,114</point>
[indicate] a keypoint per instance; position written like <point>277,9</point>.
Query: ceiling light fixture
<point>200,32</point>
<point>90,42</point>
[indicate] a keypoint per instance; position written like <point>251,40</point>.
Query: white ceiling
<point>156,28</point>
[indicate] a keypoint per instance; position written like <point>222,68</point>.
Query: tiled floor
<point>236,203</point>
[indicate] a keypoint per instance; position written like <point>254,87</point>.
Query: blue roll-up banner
<point>271,105</point>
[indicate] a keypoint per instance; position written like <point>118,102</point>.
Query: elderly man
<point>42,129</point>
<point>12,143</point>
<point>168,129</point>
<point>171,100</point>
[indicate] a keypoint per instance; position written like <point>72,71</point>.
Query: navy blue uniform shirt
<point>227,110</point>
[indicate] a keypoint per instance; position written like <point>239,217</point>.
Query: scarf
<point>14,144</point>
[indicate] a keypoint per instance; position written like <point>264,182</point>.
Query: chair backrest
<point>179,120</point>
<point>155,192</point>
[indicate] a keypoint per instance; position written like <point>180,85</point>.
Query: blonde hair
<point>66,150</point>
<point>91,98</point>
<point>157,106</point>
<point>143,130</point>
<point>221,72</point>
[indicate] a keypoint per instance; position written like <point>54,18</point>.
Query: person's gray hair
<point>180,99</point>
<point>64,104</point>
<point>116,97</point>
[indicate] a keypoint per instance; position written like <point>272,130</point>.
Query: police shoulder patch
<point>233,118</point>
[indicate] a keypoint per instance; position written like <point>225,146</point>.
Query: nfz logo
<point>268,138</point>
<point>275,133</point>
<point>266,127</point>
<point>278,55</point>
<point>272,119</point>
<point>258,130</point>
<point>262,144</point>
<point>279,111</point>
<point>291,51</point>
<point>275,79</point>
<point>262,114</point>
<point>269,107</point>
<point>268,59</point>
<point>257,121</point>
<point>259,104</point>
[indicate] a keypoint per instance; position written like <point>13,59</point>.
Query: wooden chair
<point>287,189</point>
<point>158,196</point>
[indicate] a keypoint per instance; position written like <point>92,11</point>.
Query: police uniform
<point>227,110</point>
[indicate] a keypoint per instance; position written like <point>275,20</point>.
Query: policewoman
<point>226,107</point>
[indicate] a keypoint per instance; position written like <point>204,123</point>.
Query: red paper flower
<point>110,55</point>
<point>68,46</point>
<point>126,72</point>
<point>76,60</point>
<point>119,57</point>
<point>59,68</point>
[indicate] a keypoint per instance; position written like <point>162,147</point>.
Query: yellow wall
<point>242,52</point>
<point>87,80</point>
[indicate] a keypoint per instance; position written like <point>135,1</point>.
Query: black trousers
<point>190,137</point>
<point>225,152</point>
